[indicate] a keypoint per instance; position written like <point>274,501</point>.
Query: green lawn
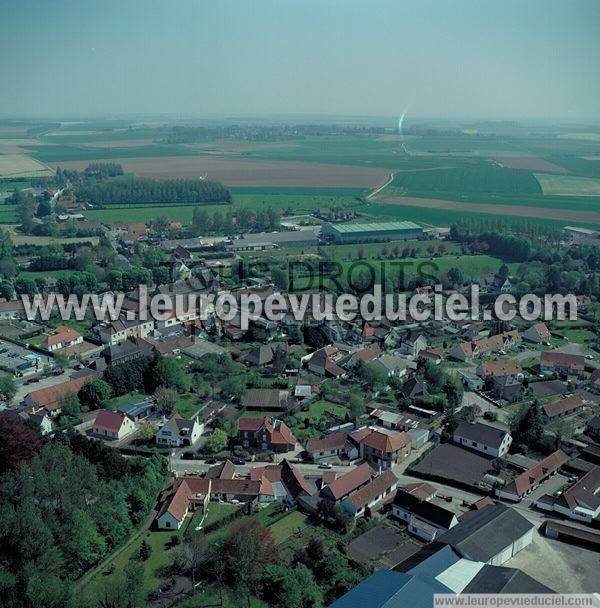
<point>160,557</point>
<point>291,524</point>
<point>218,511</point>
<point>188,405</point>
<point>116,402</point>
<point>322,408</point>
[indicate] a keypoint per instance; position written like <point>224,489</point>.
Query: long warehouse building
<point>381,231</point>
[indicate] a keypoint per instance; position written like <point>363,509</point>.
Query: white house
<point>178,432</point>
<point>112,425</point>
<point>483,438</point>
<point>422,517</point>
<point>63,337</point>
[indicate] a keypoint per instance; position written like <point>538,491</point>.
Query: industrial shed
<point>380,231</point>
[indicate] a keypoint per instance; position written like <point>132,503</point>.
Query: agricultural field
<point>568,185</point>
<point>236,171</point>
<point>529,163</point>
<point>587,217</point>
<point>19,165</point>
<point>460,182</point>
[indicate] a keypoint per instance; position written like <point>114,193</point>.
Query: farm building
<point>382,231</point>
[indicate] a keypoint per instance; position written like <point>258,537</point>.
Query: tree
<point>7,291</point>
<point>371,374</point>
<point>145,551</point>
<point>167,372</point>
<point>529,429</point>
<point>247,551</point>
<point>61,361</point>
<point>94,393</point>
<point>216,442</point>
<point>8,388</point>
<point>18,442</point>
<point>283,587</point>
<point>145,431</point>
<point>166,399</point>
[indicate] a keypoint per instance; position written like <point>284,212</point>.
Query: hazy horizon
<point>531,61</point>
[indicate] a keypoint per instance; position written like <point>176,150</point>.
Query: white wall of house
<point>483,448</point>
<point>168,522</point>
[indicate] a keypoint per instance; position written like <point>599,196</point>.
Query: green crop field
<point>443,217</point>
<point>568,185</point>
<point>455,183</point>
<point>63,153</point>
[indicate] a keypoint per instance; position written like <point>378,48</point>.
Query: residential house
<point>563,364</point>
<point>112,425</point>
<point>531,478</point>
<point>423,518</point>
<point>466,351</point>
<point>491,535</point>
<point>502,374</point>
<point>412,344</point>
<point>323,362</point>
<point>563,407</point>
<point>179,431</point>
<point>266,399</point>
<point>364,355</point>
<point>392,365</point>
<point>348,483</point>
<point>369,496</point>
<point>581,501</point>
<point>223,470</point>
<point>266,354</point>
<point>383,450</point>
<point>334,444</point>
<point>52,398</point>
<point>265,434</point>
<point>118,331</point>
<point>62,337</point>
<point>282,482</point>
<point>537,333</point>
<point>41,422</point>
<point>435,355</point>
<point>483,438</point>
<point>185,494</point>
<point>413,388</point>
<point>241,490</point>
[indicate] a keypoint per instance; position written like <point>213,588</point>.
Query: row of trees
<point>131,190</point>
<point>244,219</point>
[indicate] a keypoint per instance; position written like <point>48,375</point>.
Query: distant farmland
<point>248,172</point>
<point>19,165</point>
<point>460,182</point>
<point>568,185</point>
<point>565,215</point>
<point>530,163</point>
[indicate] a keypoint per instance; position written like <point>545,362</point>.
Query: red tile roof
<point>386,443</point>
<point>109,421</point>
<point>329,442</point>
<point>499,369</point>
<point>350,482</point>
<point>368,493</point>
<point>563,406</point>
<point>553,358</point>
<point>522,483</point>
<point>62,334</point>
<point>51,397</point>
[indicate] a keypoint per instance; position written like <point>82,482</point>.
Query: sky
<point>465,59</point>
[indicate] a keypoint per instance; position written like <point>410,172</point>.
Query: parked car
<point>325,465</point>
<point>211,461</point>
<point>238,461</point>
